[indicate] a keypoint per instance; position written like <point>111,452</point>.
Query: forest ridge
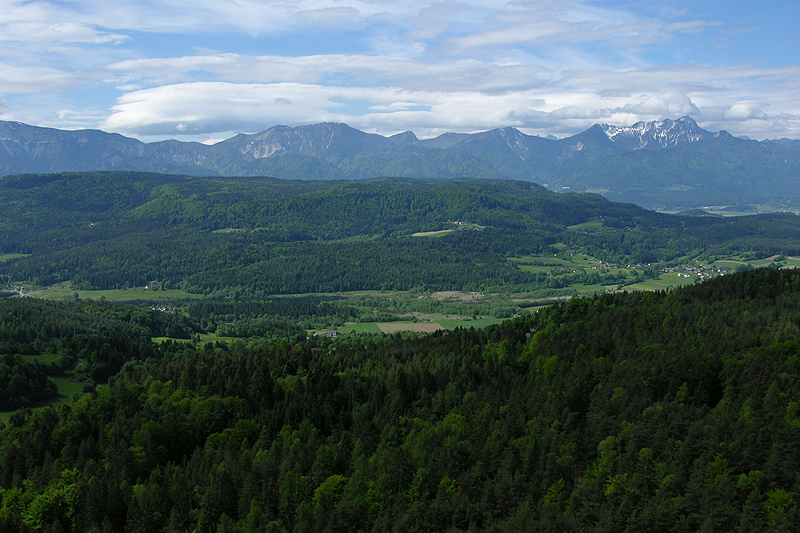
<point>256,237</point>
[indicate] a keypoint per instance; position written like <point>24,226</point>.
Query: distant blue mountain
<point>660,164</point>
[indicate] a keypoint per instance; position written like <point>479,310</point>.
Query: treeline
<point>38,322</point>
<point>640,412</point>
<point>260,318</point>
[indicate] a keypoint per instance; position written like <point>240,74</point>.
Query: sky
<point>206,70</point>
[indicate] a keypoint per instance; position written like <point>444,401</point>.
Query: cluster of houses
<point>701,270</point>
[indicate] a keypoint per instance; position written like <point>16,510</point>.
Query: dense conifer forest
<point>250,238</point>
<point>675,411</point>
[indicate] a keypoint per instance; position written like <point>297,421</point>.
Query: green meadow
<point>57,292</point>
<point>41,358</point>
<point>8,257</point>
<point>664,282</point>
<point>66,390</point>
<point>592,225</point>
<point>446,321</point>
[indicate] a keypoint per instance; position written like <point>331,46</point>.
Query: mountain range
<point>666,164</point>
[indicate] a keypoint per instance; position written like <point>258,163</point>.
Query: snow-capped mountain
<point>657,134</point>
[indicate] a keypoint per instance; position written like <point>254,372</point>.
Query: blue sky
<point>208,69</point>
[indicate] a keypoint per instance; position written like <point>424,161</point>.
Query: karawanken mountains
<point>662,164</point>
<point>628,411</point>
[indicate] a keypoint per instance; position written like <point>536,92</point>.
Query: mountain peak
<point>656,134</point>
<point>406,137</point>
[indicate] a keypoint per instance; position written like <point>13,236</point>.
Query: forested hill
<point>316,209</point>
<point>262,236</point>
<point>661,411</point>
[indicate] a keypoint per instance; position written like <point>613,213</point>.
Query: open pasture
<point>9,257</point>
<point>356,327</point>
<point>592,225</point>
<point>60,292</point>
<point>440,233</point>
<point>736,262</point>
<point>544,263</point>
<point>416,327</point>
<point>477,323</point>
<point>664,282</point>
<point>433,322</point>
<point>204,339</point>
<point>41,358</point>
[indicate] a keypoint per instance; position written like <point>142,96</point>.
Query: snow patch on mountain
<point>656,134</point>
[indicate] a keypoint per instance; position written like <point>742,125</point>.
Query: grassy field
<point>666,281</point>
<point>477,323</point>
<point>592,225</point>
<point>440,233</point>
<point>563,266</point>
<point>578,263</point>
<point>66,389</point>
<point>416,327</point>
<point>427,324</point>
<point>204,338</point>
<point>59,292</point>
<point>536,264</point>
<point>736,262</point>
<point>42,358</point>
<point>365,327</point>
<point>8,257</point>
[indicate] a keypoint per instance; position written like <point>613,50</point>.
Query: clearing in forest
<point>394,327</point>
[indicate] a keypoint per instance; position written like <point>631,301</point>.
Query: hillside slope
<point>640,412</point>
<point>269,236</point>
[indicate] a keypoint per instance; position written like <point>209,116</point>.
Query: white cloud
<point>567,23</point>
<point>208,107</point>
<point>28,80</point>
<point>365,70</point>
<point>746,110</point>
<point>255,17</point>
<point>77,119</point>
<point>544,66</point>
<point>667,105</point>
<point>49,22</point>
<point>433,98</point>
<point>4,108</point>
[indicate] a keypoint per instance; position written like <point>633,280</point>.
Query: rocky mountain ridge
<point>656,134</point>
<point>661,164</point>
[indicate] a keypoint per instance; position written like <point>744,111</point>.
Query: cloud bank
<point>155,69</point>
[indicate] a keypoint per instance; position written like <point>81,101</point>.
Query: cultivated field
<point>394,327</point>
